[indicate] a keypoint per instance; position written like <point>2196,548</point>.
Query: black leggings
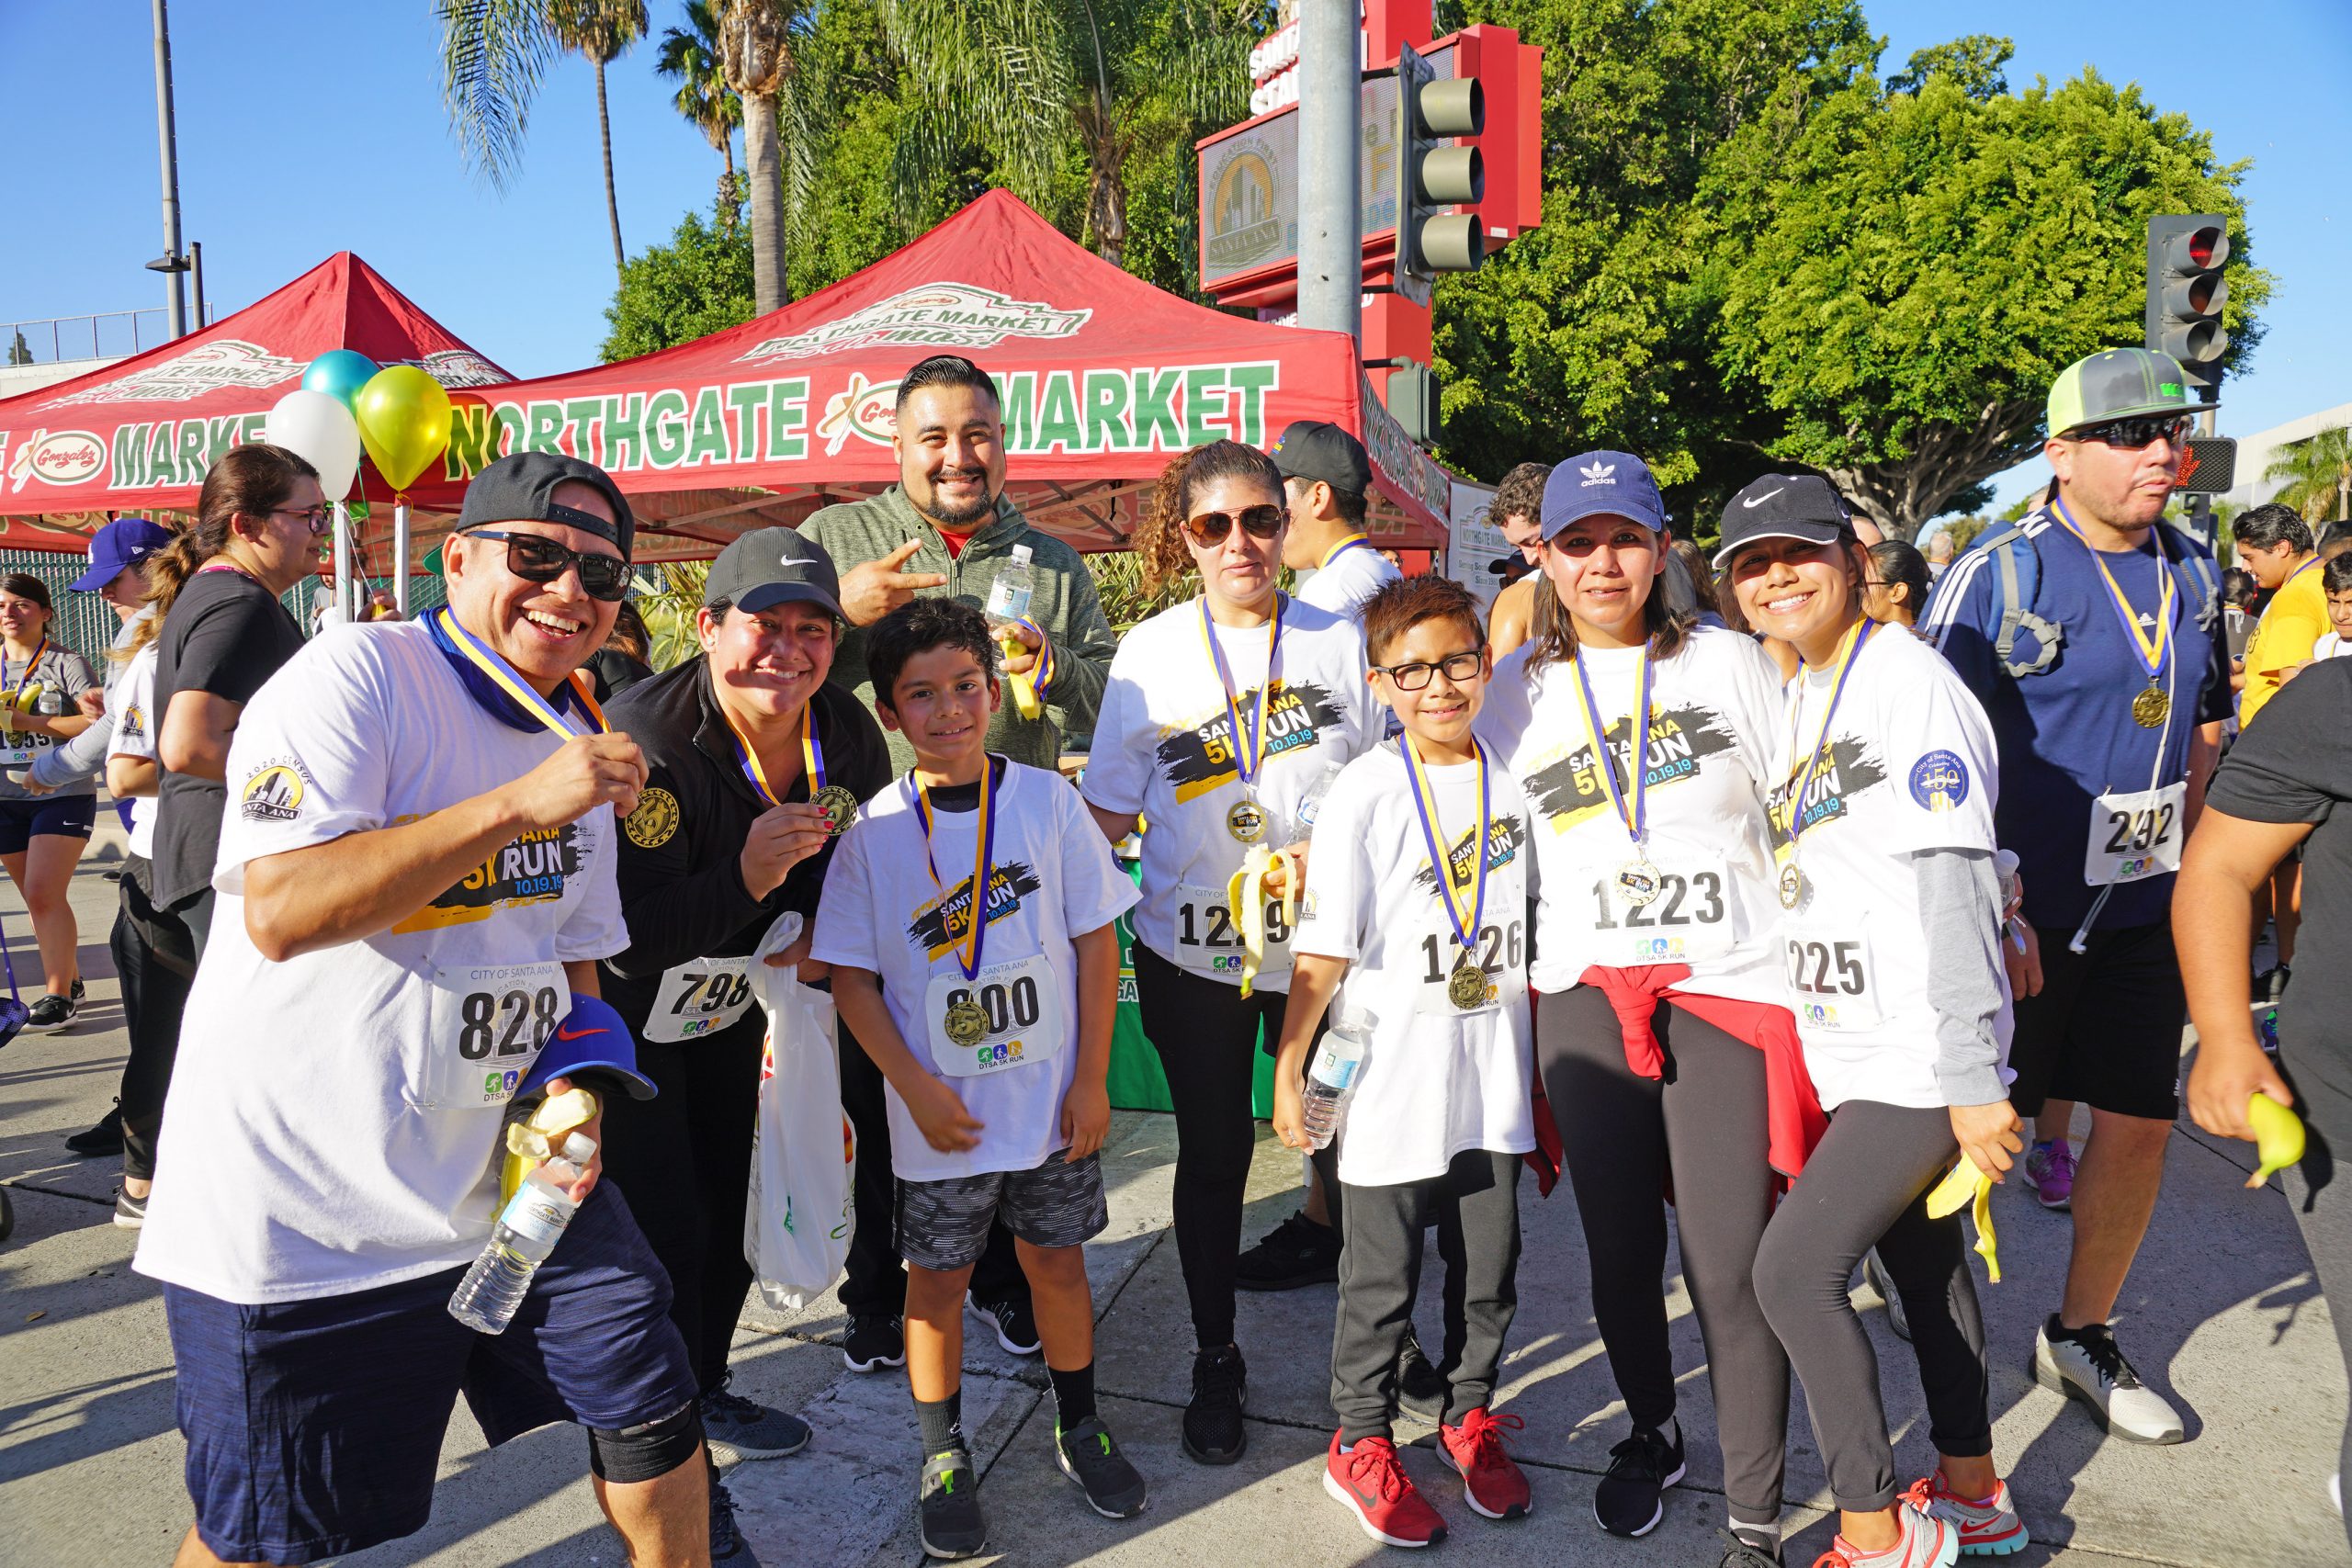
<point>1867,1185</point>
<point>1206,1034</point>
<point>2320,1188</point>
<point>1703,1123</point>
<point>154,956</point>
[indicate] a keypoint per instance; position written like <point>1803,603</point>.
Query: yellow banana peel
<point>1963,1185</point>
<point>1245,897</point>
<point>533,1139</point>
<point>1024,686</point>
<point>2278,1136</point>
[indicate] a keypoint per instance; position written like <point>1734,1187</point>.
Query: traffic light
<point>1412,398</point>
<point>1434,173</point>
<point>2185,293</point>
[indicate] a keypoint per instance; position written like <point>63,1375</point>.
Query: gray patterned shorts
<point>944,1225</point>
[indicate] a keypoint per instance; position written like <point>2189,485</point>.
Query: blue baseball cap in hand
<point>1615,484</point>
<point>592,1042</point>
<point>119,546</point>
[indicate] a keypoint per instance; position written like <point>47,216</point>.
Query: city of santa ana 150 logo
<point>207,368</point>
<point>1939,780</point>
<point>937,315</point>
<point>58,458</point>
<point>273,794</point>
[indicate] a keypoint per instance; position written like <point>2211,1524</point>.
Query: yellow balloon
<point>403,417</point>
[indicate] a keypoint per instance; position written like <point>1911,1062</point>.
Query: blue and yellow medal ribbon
<point>1433,835</point>
<point>812,756</point>
<point>968,946</point>
<point>1636,817</point>
<point>1850,654</point>
<point>1248,748</point>
<point>502,674</point>
<point>1353,542</point>
<point>17,695</point>
<point>2152,649</point>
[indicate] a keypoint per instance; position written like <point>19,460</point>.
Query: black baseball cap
<point>774,566</point>
<point>1318,449</point>
<point>1783,506</point>
<point>517,489</point>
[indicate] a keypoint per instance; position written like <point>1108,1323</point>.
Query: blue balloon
<point>339,373</point>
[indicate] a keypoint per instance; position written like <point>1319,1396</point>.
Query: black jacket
<point>680,880</point>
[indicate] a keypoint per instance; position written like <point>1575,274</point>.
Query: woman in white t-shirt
<point>1882,822</point>
<point>1658,1009</point>
<point>1223,720</point>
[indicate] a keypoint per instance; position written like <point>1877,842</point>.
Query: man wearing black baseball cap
<point>1326,480</point>
<point>755,763</point>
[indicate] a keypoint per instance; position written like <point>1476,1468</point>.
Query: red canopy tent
<point>1105,376</point>
<point>139,434</point>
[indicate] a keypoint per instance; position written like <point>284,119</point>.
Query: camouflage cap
<point>2118,383</point>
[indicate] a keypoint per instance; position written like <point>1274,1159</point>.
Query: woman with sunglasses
<point>1882,818</point>
<point>1642,740</point>
<point>41,834</point>
<point>1222,718</point>
<point>222,629</point>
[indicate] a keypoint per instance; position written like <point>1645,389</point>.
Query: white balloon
<point>319,428</point>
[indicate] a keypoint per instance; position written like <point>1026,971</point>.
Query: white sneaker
<point>2092,1369</point>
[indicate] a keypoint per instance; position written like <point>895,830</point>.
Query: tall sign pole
<point>1331,236</point>
<point>172,266</point>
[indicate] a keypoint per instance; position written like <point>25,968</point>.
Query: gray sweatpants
<point>1703,1124</point>
<point>1866,1185</point>
<point>1476,1205</point>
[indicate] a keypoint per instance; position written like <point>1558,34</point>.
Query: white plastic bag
<point>797,1226</point>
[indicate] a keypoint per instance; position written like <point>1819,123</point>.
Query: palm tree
<point>2318,474</point>
<point>492,54</point>
<point>755,50</point>
<point>1032,79</point>
<point>690,58</point>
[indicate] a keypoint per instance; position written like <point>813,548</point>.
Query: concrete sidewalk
<point>2221,1314</point>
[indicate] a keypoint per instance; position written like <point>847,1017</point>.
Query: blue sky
<point>305,128</point>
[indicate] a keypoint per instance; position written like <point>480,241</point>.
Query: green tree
<point>690,58</point>
<point>1901,279</point>
<point>493,53</point>
<point>20,352</point>
<point>2318,475</point>
<point>701,282</point>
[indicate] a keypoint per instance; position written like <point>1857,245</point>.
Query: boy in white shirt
<point>1434,966</point>
<point>994,1036</point>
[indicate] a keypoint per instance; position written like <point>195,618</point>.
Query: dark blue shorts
<point>66,816</point>
<point>314,1427</point>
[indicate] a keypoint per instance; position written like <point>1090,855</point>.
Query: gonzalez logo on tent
<point>937,316</point>
<point>866,409</point>
<point>208,367</point>
<point>58,458</point>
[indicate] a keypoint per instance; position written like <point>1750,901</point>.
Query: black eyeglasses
<point>315,518</point>
<point>1413,677</point>
<point>2135,433</point>
<point>1209,529</point>
<point>535,559</point>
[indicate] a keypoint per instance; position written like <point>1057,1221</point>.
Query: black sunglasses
<point>1458,666</point>
<point>2134,433</point>
<point>1209,529</point>
<point>535,559</point>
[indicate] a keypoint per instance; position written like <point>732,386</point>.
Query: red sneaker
<point>1373,1483</point>
<point>1491,1482</point>
<point>1989,1526</point>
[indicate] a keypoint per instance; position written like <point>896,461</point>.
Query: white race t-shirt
<point>335,1117</point>
<point>1163,747</point>
<point>2331,645</point>
<point>133,702</point>
<point>1909,765</point>
<point>1714,711</point>
<point>1353,576</point>
<point>1051,878</point>
<point>1436,1080</point>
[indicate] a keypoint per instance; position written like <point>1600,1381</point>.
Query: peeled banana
<point>1024,686</point>
<point>1965,1184</point>
<point>533,1140</point>
<point>1245,896</point>
<point>2278,1136</point>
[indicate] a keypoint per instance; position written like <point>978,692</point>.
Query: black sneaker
<point>728,1547</point>
<point>1297,1252</point>
<point>736,1428</point>
<point>1746,1553</point>
<point>51,1014</point>
<point>949,1506</point>
<point>1640,1470</point>
<point>1089,1456</point>
<point>130,1214</point>
<point>1420,1389</point>
<point>873,1342</point>
<point>2270,986</point>
<point>1213,1429</point>
<point>1016,1324</point>
<point>105,1138</point>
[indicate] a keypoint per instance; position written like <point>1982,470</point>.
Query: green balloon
<point>339,373</point>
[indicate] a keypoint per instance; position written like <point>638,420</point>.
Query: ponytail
<point>251,481</point>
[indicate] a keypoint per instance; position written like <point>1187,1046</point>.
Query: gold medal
<point>2149,707</point>
<point>1245,822</point>
<point>1466,987</point>
<point>839,803</point>
<point>1639,882</point>
<point>1792,886</point>
<point>968,1022</point>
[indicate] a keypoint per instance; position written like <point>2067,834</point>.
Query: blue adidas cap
<point>1592,484</point>
<point>592,1042</point>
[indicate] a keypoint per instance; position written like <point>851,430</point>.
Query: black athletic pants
<point>876,1283</point>
<point>1206,1034</point>
<point>154,957</point>
<point>1475,1203</point>
<point>1704,1123</point>
<point>1866,1185</point>
<point>2320,1188</point>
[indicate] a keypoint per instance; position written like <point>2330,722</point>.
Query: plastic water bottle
<point>525,1232</point>
<point>1339,1068</point>
<point>1310,805</point>
<point>1015,585</point>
